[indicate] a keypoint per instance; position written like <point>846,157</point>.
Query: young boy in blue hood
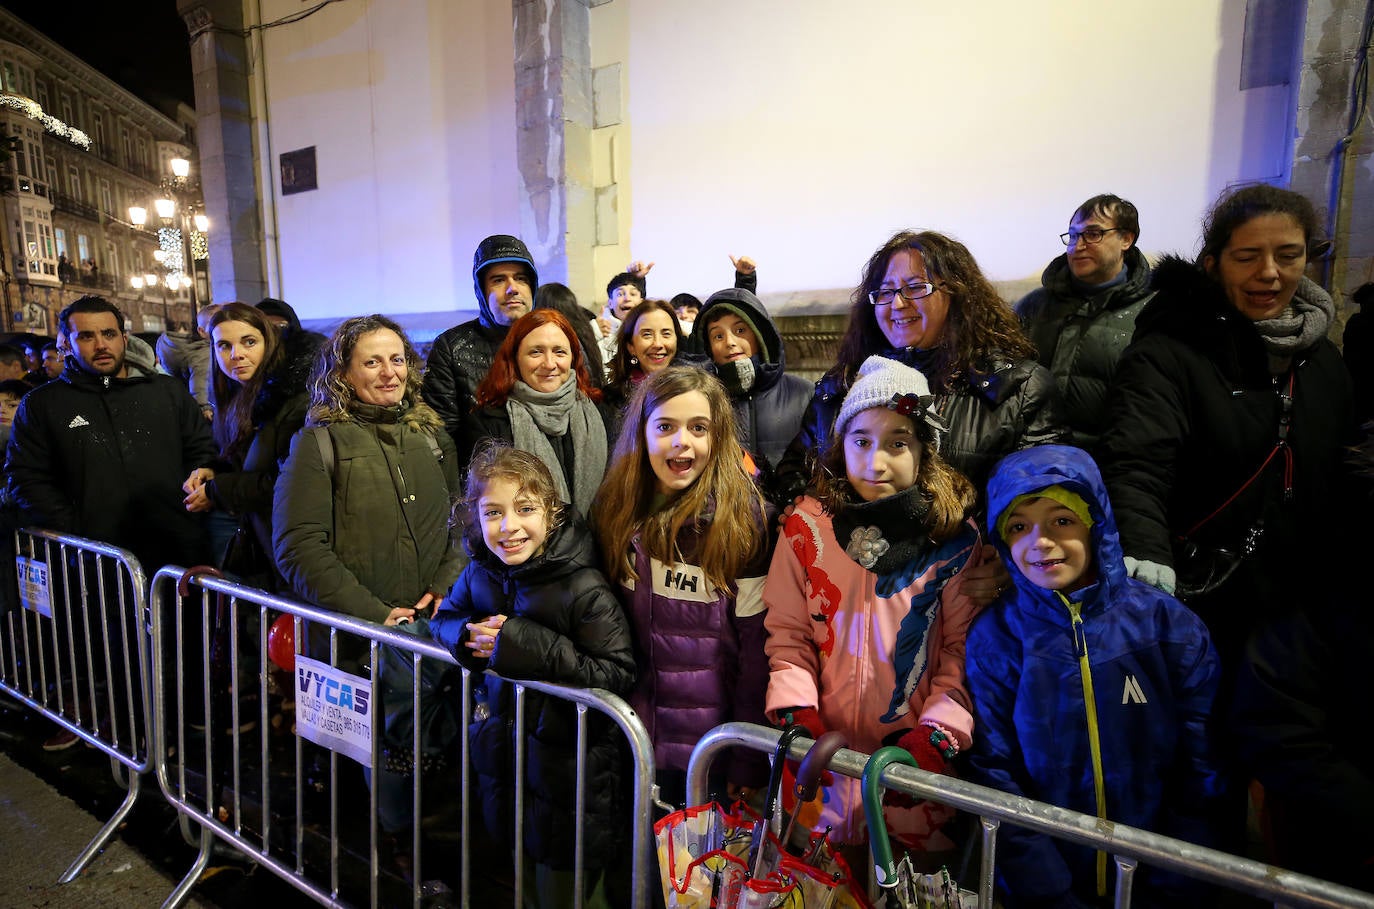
<point>1091,690</point>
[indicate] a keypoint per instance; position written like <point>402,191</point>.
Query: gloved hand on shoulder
<point>1152,573</point>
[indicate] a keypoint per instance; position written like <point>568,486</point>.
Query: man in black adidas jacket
<point>102,451</point>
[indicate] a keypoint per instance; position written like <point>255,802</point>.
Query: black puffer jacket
<point>243,488</point>
<point>769,414</point>
<point>1193,413</point>
<point>1080,337</point>
<point>105,458</point>
<point>458,362</point>
<point>1002,407</point>
<point>565,626</point>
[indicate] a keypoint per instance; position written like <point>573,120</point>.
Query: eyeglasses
<point>1090,235</point>
<point>910,292</point>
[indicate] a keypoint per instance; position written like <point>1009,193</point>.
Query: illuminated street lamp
<point>175,209</point>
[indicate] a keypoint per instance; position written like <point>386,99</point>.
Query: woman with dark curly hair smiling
<point>924,301</point>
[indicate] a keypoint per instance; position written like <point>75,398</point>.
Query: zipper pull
<point>1080,636</point>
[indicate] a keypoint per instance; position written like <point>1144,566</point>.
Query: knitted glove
<point>809,719</point>
<point>921,743</point>
<point>1152,573</point>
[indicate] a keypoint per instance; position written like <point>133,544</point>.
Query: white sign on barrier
<point>334,709</point>
<point>34,592</point>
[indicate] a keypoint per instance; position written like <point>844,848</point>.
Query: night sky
<point>141,44</point>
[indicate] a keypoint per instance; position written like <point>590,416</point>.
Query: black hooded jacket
<point>767,415</point>
<point>566,626</point>
<point>1080,337</point>
<point>105,458</point>
<point>1193,414</point>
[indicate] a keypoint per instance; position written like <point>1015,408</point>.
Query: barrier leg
<point>988,871</point>
<point>97,845</point>
<point>179,895</point>
<point>1125,877</point>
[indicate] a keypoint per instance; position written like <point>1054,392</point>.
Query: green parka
<point>372,533</point>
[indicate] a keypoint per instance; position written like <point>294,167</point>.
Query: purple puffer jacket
<point>699,651</point>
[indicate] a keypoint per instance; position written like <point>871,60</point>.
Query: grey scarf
<point>1301,325</point>
<point>538,418</point>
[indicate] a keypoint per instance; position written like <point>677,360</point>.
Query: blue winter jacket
<point>1153,673</point>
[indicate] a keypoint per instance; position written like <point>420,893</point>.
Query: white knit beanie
<point>879,382</point>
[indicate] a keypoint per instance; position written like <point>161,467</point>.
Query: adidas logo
<point>77,420</point>
<point>1131,693</point>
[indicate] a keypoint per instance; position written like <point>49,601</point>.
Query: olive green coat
<point>372,533</point>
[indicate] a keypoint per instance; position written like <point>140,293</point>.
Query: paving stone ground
<point>41,831</point>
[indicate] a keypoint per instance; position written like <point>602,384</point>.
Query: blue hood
<point>1036,468</point>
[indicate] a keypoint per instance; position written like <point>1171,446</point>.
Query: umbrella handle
<point>816,761</point>
<point>883,864</point>
<point>775,774</point>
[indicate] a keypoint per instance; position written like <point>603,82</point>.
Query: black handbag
<point>1202,569</point>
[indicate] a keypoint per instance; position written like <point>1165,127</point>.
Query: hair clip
<point>911,404</point>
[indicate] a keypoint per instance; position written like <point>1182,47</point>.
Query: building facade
<point>80,151</point>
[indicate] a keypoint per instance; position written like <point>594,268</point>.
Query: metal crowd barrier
<point>229,780</point>
<point>1129,846</point>
<point>73,647</point>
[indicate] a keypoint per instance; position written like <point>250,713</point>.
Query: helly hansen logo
<point>1131,693</point>
<point>680,581</point>
<point>77,421</point>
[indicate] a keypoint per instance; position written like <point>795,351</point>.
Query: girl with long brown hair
<point>682,533</point>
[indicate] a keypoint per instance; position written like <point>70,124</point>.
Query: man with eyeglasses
<point>102,450</point>
<point>1083,316</point>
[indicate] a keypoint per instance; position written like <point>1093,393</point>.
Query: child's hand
<point>985,581</point>
<point>482,635</point>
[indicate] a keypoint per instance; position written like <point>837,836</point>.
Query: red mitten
<point>807,718</point>
<point>932,749</point>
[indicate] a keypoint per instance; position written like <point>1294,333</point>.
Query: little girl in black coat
<point>533,604</point>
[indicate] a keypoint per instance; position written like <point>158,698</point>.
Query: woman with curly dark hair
<point>924,302</point>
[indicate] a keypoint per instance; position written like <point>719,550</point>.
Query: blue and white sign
<point>34,592</point>
<point>334,709</point>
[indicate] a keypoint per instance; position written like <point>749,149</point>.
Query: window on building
<point>11,83</point>
<point>74,183</point>
<point>99,132</point>
<point>112,263</point>
<point>106,198</point>
<point>128,147</point>
<point>83,247</point>
<point>60,236</point>
<point>48,248</point>
<point>21,158</point>
<point>42,98</point>
<point>142,153</point>
<point>31,240</point>
<point>67,110</point>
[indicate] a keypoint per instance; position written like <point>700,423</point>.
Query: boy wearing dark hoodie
<point>1091,690</point>
<point>745,348</point>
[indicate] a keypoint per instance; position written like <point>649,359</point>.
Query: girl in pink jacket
<point>865,614</point>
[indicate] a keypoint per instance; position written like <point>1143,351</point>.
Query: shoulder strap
<point>326,443</point>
